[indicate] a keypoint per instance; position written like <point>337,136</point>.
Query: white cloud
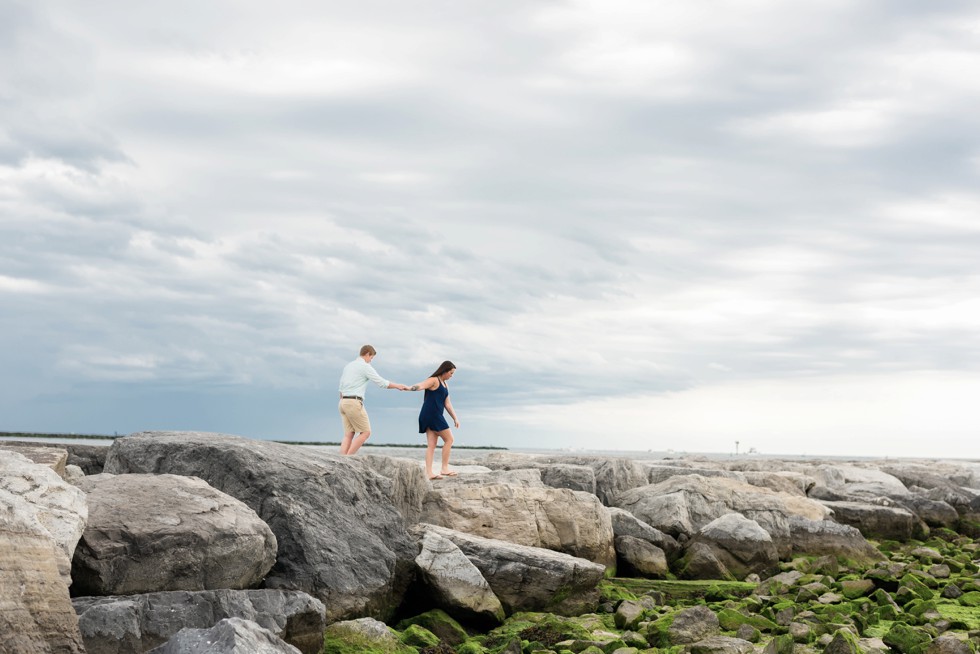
<point>563,198</point>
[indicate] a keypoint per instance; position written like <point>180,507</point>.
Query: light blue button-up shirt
<point>356,375</point>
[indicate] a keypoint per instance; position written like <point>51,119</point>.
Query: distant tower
<point>736,448</point>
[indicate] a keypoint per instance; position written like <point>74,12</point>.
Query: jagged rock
<point>570,476</point>
<point>529,578</point>
<point>628,614</point>
<point>90,458</point>
<point>52,505</point>
<point>684,504</point>
<point>948,645</point>
<point>876,521</point>
<point>934,513</point>
<point>340,538</point>
<point>625,523</point>
<point>700,561</point>
<point>51,457</point>
<point>362,634</point>
<point>857,481</point>
<point>73,474</point>
<point>525,477</point>
<point>722,645</point>
<point>456,584</point>
<point>823,537</point>
<point>740,545</point>
<point>35,612</point>
<point>935,474</point>
<point>612,475</point>
<point>230,636</point>
<point>791,483</point>
<point>138,623</point>
<point>554,518</point>
<point>657,473</point>
<point>687,626</point>
<point>641,558</point>
<point>408,484</point>
<point>150,533</point>
<point>843,642</point>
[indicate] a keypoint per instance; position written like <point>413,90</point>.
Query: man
<point>353,384</point>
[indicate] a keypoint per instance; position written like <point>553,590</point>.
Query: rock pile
<point>193,542</point>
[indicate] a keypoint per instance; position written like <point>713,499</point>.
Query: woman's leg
<point>447,444</point>
<point>430,450</point>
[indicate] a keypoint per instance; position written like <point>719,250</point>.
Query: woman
<point>431,421</point>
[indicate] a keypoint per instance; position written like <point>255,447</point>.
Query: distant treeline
<point>17,434</point>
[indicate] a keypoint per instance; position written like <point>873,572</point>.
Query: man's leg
<point>356,445</point>
<point>345,444</point>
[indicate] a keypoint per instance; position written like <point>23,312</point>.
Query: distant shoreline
<point>102,437</point>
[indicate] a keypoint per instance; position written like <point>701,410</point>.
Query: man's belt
<point>352,397</point>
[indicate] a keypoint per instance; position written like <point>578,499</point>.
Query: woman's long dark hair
<point>445,366</point>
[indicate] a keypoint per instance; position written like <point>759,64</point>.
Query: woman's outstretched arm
<point>429,384</point>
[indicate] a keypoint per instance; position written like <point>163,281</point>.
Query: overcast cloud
<point>632,225</point>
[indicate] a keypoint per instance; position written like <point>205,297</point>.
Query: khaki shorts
<point>354,416</point>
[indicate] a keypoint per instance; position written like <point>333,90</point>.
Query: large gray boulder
<point>529,578</point>
<point>566,521</point>
<point>612,475</point>
<point>737,543</point>
<point>854,481</point>
<point>35,611</point>
<point>455,584</point>
<point>90,458</point>
<point>658,472</point>
<point>791,483</point>
<point>685,504</point>
<point>37,495</point>
<point>230,636</point>
<point>640,558</point>
<point>879,521</point>
<point>55,458</point>
<point>935,513</point>
<point>825,537</point>
<point>530,477</point>
<point>569,475</point>
<point>340,538</point>
<point>150,533</point>
<point>625,523</point>
<point>408,483</point>
<point>138,623</point>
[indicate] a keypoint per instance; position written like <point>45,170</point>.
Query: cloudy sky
<point>633,225</point>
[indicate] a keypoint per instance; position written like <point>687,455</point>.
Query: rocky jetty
<point>194,542</point>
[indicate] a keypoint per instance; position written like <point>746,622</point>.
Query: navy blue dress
<point>434,403</point>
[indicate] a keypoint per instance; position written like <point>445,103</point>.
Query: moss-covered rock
<point>782,644</point>
<point>906,639</point>
<point>438,622</point>
<point>970,599</point>
<point>856,588</point>
<point>471,647</point>
<point>541,630</point>
<point>731,620</point>
<point>917,587</point>
<point>843,642</point>
<point>418,636</point>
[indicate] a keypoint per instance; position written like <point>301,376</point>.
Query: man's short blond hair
<point>367,349</point>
